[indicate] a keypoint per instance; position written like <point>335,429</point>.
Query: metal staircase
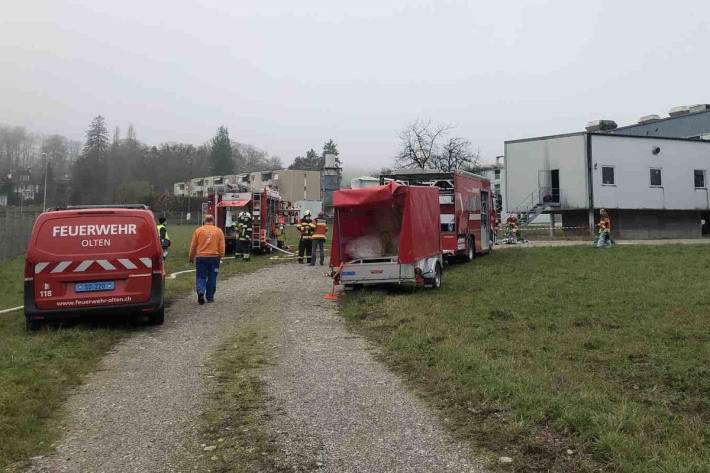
<point>540,200</point>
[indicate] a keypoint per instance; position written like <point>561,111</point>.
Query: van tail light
<point>29,271</point>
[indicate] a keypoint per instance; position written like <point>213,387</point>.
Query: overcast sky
<point>287,75</point>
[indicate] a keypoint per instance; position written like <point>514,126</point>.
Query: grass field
<point>38,369</point>
<point>534,352</point>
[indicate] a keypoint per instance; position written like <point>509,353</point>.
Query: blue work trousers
<point>207,268</point>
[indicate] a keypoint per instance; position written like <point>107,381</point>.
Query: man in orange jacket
<point>320,228</point>
<point>206,251</point>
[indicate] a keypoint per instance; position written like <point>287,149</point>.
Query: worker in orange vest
<point>306,231</point>
<point>320,228</point>
<point>604,229</point>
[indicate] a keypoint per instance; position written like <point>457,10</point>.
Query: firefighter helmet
<point>307,213</point>
<point>247,215</point>
<point>321,214</point>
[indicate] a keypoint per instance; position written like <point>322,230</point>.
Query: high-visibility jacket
<point>280,233</point>
<point>245,229</point>
<point>605,224</point>
<point>305,227</point>
<point>320,228</point>
<point>163,232</point>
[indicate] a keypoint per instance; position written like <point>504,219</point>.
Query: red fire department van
<point>467,213</point>
<point>94,260</point>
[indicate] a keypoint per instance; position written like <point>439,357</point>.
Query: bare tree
<point>420,144</point>
<point>455,154</point>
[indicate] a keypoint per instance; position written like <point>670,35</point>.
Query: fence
<point>15,229</point>
<point>179,218</point>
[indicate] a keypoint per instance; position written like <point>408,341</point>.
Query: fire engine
<point>265,206</point>
<point>467,212</point>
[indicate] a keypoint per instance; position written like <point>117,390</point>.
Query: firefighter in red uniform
<point>512,226</point>
<point>320,228</point>
<point>306,231</point>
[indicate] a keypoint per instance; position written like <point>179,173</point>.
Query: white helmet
<point>307,213</point>
<point>247,215</point>
<point>241,214</point>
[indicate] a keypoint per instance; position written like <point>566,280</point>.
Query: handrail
<point>530,198</point>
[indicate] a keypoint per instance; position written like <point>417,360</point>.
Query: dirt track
<point>332,404</point>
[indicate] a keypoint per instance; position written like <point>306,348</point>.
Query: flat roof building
<point>652,186</point>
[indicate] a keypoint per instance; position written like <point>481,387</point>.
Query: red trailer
<point>467,212</point>
<point>387,234</point>
<point>264,206</point>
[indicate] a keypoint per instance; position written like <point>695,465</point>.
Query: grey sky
<point>287,75</point>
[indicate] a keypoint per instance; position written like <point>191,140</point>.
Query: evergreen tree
<point>221,161</point>
<point>312,162</point>
<point>330,148</point>
<point>90,173</point>
<point>97,141</point>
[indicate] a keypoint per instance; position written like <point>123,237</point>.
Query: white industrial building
<point>364,181</point>
<point>293,185</point>
<point>652,186</point>
<point>496,174</point>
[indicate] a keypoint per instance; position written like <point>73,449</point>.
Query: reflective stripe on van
<point>112,265</point>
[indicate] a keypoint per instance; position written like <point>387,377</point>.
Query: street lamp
<point>46,163</point>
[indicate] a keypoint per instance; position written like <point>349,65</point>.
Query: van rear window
<point>89,234</point>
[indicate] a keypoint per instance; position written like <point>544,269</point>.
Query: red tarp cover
<point>361,211</point>
<point>233,203</point>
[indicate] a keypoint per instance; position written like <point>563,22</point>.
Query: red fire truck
<point>265,207</point>
<point>467,213</point>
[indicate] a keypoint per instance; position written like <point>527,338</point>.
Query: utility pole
<point>44,201</point>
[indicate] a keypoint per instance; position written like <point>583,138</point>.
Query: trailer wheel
<point>435,282</point>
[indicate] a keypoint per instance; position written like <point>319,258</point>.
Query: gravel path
<point>333,407</point>
<point>140,407</point>
<point>340,409</point>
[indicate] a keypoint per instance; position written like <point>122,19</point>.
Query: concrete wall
<point>632,159</point>
<point>525,159</point>
<point>295,185</point>
<point>655,224</point>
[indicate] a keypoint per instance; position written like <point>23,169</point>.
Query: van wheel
<point>32,325</point>
<point>157,317</point>
<point>435,282</point>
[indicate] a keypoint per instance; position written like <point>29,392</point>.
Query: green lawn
<point>532,352</point>
<point>37,369</point>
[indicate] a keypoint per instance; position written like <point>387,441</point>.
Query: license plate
<point>94,286</point>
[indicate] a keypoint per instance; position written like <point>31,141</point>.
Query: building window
<point>699,178</point>
<point>608,175</point>
<point>497,173</point>
<point>655,174</point>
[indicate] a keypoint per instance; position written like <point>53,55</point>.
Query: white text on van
<point>94,230</point>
